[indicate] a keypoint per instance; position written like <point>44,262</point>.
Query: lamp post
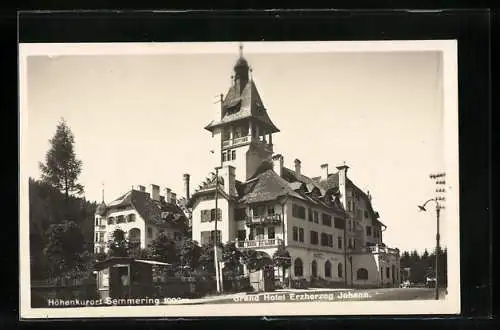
<point>438,210</point>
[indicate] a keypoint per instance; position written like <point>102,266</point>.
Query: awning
<point>151,262</point>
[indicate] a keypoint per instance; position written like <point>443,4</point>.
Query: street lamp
<point>438,210</point>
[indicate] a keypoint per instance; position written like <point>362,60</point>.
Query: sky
<point>138,120</point>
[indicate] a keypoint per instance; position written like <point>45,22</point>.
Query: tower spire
<point>102,192</point>
<point>241,49</point>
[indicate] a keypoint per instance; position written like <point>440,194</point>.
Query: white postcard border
<point>450,223</point>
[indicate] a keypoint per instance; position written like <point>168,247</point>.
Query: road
<point>325,295</point>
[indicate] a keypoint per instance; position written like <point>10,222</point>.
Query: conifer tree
<point>61,168</point>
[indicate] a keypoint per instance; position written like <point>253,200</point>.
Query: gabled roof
<point>156,212</point>
<point>267,186</point>
<point>245,105</point>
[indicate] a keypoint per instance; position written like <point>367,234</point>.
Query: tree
<point>62,168</point>
<point>189,253</point>
<point>255,260</point>
<point>164,249</point>
<point>65,248</point>
<point>231,257</point>
<point>206,260</point>
<point>282,259</point>
<point>118,245</point>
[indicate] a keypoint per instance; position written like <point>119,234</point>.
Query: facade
<point>142,215</point>
<point>326,223</point>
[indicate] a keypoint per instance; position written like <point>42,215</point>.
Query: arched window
<point>328,269</point>
<point>134,238</point>
<point>298,268</point>
<point>362,274</point>
<point>340,270</point>
<point>314,268</point>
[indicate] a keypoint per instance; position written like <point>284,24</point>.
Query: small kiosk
<point>125,277</point>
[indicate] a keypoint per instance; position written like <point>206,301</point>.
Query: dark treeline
<point>423,266</point>
<point>49,209</point>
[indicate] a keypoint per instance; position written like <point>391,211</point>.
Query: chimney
<point>228,175</point>
<point>168,195</point>
<point>186,185</point>
<point>278,164</point>
<point>297,166</point>
<point>342,184</point>
<point>324,173</point>
<point>141,188</point>
<point>155,192</point>
<point>173,198</point>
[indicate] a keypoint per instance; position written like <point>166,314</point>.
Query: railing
<point>273,242</point>
<point>273,219</point>
<point>235,141</point>
<point>381,249</point>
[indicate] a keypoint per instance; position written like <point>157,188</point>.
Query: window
<point>350,243</point>
<point>314,237</point>
<point>233,154</point>
<point>340,270</point>
<point>207,237</point>
<point>298,211</point>
<point>270,232</point>
<point>330,240</point>
<point>97,222</point>
<point>239,214</point>
<point>120,219</point>
<point>314,269</point>
<point>349,206</point>
<point>229,155</point>
<point>310,215</point>
<point>354,243</point>
<point>324,239</point>
<point>270,210</point>
<point>301,235</point>
<point>111,220</point>
<point>97,237</point>
<point>224,157</point>
<point>242,234</point>
<point>362,274</point>
<point>388,272</point>
<point>339,242</point>
<point>150,232</point>
<point>328,269</point>
<point>258,211</point>
<point>326,220</point>
<point>366,214</point>
<point>315,217</point>
<point>298,269</point>
<point>350,225</point>
<point>295,233</point>
<point>368,231</point>
<point>101,237</point>
<point>259,233</point>
<point>131,218</point>
<point>339,223</point>
<point>209,215</point>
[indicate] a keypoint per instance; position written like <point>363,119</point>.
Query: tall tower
<point>244,130</point>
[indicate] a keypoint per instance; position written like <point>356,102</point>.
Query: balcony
<point>380,249</point>
<point>274,219</point>
<point>235,141</point>
<point>260,243</point>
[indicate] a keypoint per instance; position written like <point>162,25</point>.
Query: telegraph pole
<point>440,181</point>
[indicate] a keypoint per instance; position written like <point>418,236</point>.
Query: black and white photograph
<point>239,179</point>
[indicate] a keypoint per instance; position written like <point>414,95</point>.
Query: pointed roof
<point>245,105</point>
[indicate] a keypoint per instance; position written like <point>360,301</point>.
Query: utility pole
<point>439,182</point>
